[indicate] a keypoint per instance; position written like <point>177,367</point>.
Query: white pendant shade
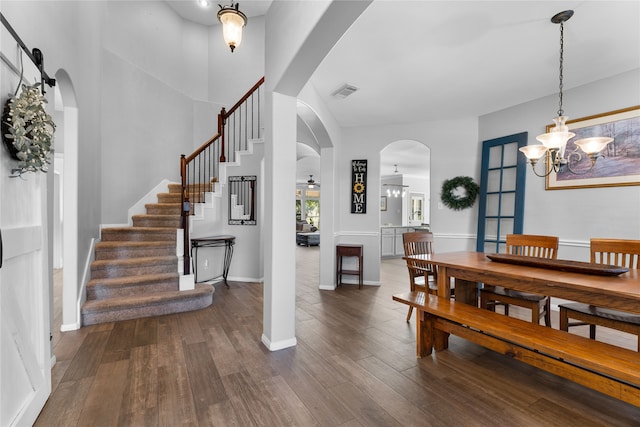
<point>558,136</point>
<point>534,152</point>
<point>594,144</point>
<point>232,23</point>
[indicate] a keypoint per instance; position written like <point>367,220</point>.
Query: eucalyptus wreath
<point>452,200</point>
<point>27,130</point>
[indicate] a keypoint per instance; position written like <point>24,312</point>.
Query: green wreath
<point>27,130</point>
<point>455,202</point>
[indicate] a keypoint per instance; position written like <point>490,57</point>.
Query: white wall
<point>446,140</point>
<point>69,35</point>
<point>574,215</point>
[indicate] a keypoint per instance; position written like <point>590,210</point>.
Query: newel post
<point>185,211</point>
<point>221,122</point>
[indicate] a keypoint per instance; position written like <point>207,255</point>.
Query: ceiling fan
<point>311,183</point>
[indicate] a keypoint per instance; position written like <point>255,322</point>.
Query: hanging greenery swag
<point>27,130</point>
<point>459,202</point>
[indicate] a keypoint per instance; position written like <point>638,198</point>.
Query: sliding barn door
<point>502,186</point>
<point>25,351</point>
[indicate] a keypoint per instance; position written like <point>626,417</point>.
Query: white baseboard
<point>69,327</point>
<point>275,346</point>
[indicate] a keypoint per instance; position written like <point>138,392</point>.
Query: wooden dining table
<point>468,269</point>
<point>603,367</point>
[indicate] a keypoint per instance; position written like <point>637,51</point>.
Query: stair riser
<point>114,315</point>
<point>104,291</point>
<point>113,271</point>
<point>194,197</point>
<point>137,235</point>
<point>158,209</point>
<point>177,188</point>
<point>127,252</point>
<point>169,198</point>
<point>155,222</point>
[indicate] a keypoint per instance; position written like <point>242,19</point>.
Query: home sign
<point>358,186</point>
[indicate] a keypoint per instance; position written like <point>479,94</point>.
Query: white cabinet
<point>391,241</point>
<point>387,242</point>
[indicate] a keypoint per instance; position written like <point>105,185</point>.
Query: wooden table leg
<point>444,283</point>
<point>466,292</point>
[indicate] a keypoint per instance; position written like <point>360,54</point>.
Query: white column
<point>327,214</point>
<point>280,186</point>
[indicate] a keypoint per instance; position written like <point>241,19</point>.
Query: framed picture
<point>619,163</point>
<point>383,203</point>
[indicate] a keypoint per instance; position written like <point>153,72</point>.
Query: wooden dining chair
<point>422,275</point>
<point>540,305</point>
<point>620,252</point>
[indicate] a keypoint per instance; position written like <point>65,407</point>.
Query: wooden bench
<point>606,368</point>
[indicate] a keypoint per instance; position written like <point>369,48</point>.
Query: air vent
<point>344,91</point>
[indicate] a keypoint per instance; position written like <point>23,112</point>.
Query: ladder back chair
<point>540,305</point>
<point>620,252</point>
<point>420,271</point>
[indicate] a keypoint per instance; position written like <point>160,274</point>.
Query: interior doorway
<point>405,181</point>
<point>66,198</point>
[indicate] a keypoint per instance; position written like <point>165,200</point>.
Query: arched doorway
<point>67,196</point>
<point>405,182</point>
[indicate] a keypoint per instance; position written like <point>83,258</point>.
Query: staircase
<point>135,271</point>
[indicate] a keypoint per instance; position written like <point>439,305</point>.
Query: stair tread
<point>135,244</point>
<point>129,280</point>
<point>156,216</point>
<point>138,229</point>
<point>155,298</point>
<point>133,261</point>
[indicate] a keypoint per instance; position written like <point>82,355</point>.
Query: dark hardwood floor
<point>354,365</point>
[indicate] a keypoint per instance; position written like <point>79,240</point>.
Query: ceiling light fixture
<point>311,183</point>
<point>232,22</point>
<point>396,190</point>
<point>204,3</point>
<point>555,141</point>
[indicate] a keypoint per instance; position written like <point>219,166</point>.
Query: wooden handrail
<point>198,171</point>
<point>244,98</point>
<point>200,149</point>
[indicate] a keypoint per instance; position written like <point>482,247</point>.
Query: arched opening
<point>315,157</point>
<point>65,215</point>
<point>405,172</point>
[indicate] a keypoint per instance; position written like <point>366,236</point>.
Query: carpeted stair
<point>135,271</point>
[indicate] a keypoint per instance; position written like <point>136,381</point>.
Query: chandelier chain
<point>560,110</point>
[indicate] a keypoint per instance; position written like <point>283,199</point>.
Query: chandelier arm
<point>548,167</point>
<point>574,154</point>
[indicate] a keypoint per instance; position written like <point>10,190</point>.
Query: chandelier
<point>232,22</point>
<point>555,141</point>
<point>395,190</point>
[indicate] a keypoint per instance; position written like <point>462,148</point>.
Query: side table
<point>348,250</point>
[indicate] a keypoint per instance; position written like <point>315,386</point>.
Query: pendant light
<point>232,23</point>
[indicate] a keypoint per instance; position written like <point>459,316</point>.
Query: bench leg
<point>424,334</point>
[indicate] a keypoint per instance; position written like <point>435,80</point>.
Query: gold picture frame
<point>620,161</point>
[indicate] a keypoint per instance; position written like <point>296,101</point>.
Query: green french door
<point>502,186</point>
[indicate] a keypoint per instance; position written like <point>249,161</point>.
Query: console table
<point>212,242</point>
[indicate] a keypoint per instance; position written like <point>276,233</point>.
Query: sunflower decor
<point>27,130</point>
<point>455,201</point>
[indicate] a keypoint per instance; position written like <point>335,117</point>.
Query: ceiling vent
<point>344,91</point>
